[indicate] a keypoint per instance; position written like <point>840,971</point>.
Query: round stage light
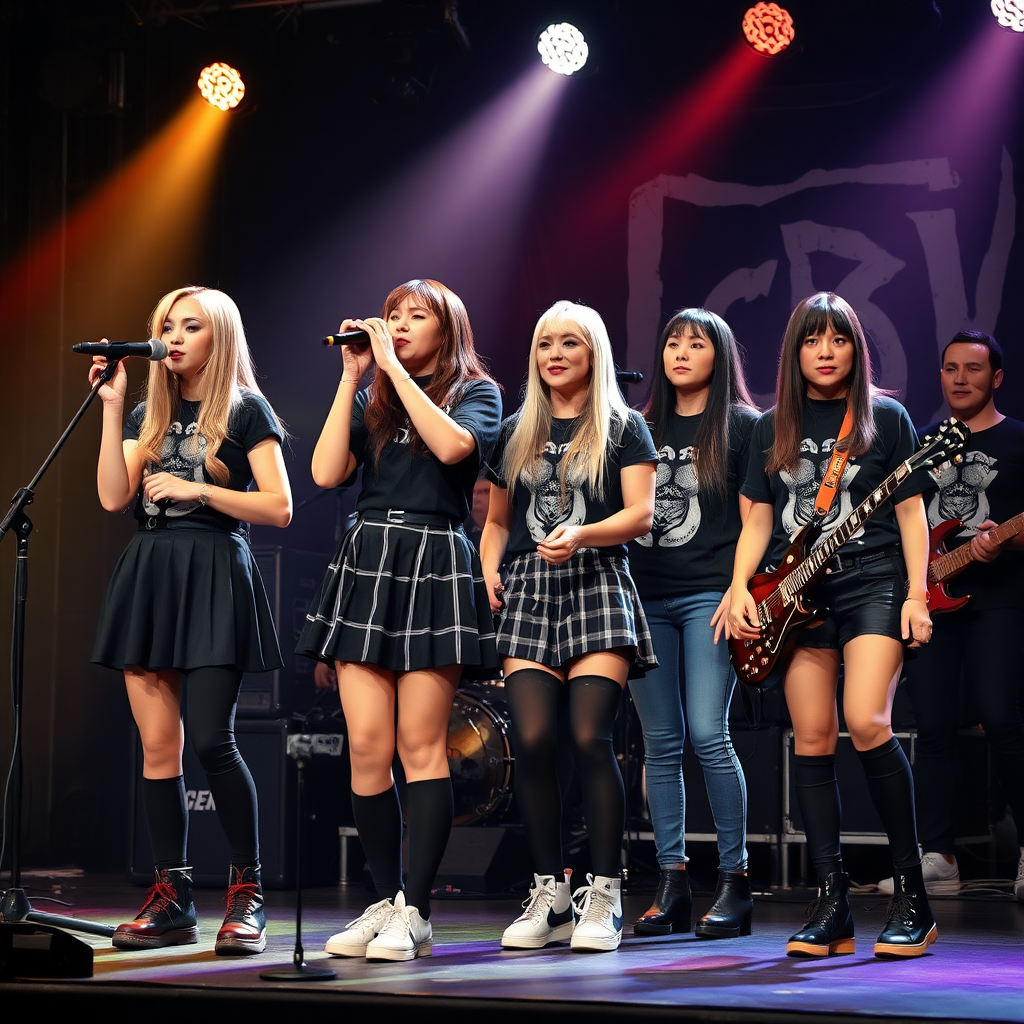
<point>1009,14</point>
<point>768,28</point>
<point>221,86</point>
<point>563,48</point>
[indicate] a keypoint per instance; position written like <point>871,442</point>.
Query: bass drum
<point>479,757</point>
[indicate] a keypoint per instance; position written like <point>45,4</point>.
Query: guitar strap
<point>834,473</point>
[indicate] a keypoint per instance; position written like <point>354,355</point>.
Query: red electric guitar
<point>781,608</point>
<point>944,565</point>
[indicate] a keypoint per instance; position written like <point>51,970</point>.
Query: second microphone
<point>357,339</point>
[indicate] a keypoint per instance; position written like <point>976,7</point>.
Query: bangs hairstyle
<point>812,317</point>
<point>602,420</point>
<point>228,373</point>
<point>457,364</point>
<point>727,388</point>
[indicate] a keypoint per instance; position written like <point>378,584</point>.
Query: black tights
<point>535,699</point>
<point>211,698</point>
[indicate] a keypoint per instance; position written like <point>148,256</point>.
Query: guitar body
<point>939,598</point>
<point>760,662</point>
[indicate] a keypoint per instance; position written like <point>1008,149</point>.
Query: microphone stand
<point>14,904</point>
<point>300,747</point>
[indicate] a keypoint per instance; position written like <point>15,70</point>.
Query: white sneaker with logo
<point>405,936</point>
<point>599,906</point>
<point>358,933</point>
<point>547,916</point>
<point>940,877</point>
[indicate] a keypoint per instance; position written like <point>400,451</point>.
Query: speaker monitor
<point>291,579</point>
<point>30,950</point>
<point>325,806</point>
<point>484,860</point>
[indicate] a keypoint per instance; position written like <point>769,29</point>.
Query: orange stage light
<point>221,86</point>
<point>768,28</point>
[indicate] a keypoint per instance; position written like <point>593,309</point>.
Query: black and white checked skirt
<point>403,595</point>
<point>554,613</point>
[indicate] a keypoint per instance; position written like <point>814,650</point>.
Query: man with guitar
<point>977,615</point>
<point>830,443</point>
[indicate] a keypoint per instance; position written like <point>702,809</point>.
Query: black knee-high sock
<point>378,821</point>
<point>891,785</point>
<point>431,806</point>
<point>211,699</point>
<point>166,820</point>
<point>593,704</point>
<point>534,697</point>
<point>817,796</point>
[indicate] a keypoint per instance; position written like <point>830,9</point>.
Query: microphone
<point>153,349</point>
<point>628,376</point>
<point>356,338</point>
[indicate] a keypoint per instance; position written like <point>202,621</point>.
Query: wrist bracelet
<point>204,494</point>
<point>408,376</point>
<point>345,380</point>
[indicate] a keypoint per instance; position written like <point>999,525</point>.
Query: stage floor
<point>975,972</point>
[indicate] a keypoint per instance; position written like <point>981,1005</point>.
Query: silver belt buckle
<point>396,515</point>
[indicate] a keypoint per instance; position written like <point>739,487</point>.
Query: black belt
<point>185,523</point>
<point>843,563</point>
<point>398,516</point>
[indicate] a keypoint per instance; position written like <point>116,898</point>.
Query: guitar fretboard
<point>945,566</point>
<point>793,585</point>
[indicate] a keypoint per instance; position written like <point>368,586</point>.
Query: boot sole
<point>840,947</point>
<point>642,928</point>
<point>235,946</point>
<point>889,950</point>
<point>559,934</point>
<point>178,937</point>
<point>721,931</point>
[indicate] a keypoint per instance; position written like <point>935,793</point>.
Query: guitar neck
<point>955,561</point>
<point>813,565</point>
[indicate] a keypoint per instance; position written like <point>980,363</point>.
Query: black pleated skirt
<point>185,599</point>
<point>403,596</point>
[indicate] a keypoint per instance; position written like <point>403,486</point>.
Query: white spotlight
<point>563,48</point>
<point>1009,14</point>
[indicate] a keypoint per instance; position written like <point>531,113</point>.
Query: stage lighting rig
<point>221,86</point>
<point>562,48</point>
<point>1009,14</point>
<point>768,28</point>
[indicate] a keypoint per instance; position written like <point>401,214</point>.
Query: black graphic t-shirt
<point>538,505</point>
<point>793,494</point>
<point>691,545</point>
<point>987,483</point>
<point>184,455</point>
<point>403,479</point>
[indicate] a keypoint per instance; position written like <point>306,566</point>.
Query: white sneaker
<point>940,877</point>
<point>405,936</point>
<point>1018,886</point>
<point>358,933</point>
<point>547,916</point>
<point>600,911</point>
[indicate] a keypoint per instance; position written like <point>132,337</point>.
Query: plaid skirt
<point>554,613</point>
<point>403,594</point>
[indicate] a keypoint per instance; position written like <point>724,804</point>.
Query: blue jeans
<point>683,639</point>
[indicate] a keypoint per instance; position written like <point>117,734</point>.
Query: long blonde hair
<point>602,420</point>
<point>228,373</point>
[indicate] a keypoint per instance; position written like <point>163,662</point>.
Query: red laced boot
<point>168,917</point>
<point>244,930</point>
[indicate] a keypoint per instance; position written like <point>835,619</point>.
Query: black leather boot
<point>829,927</point>
<point>168,917</point>
<point>909,924</point>
<point>671,910</point>
<point>731,910</point>
<point>244,930</point>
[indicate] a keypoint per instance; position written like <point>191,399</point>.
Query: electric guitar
<point>944,565</point>
<point>782,610</point>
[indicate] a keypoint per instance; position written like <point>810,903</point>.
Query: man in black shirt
<point>974,644</point>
